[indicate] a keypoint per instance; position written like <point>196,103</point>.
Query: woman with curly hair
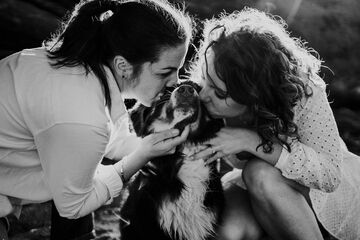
<point>299,181</point>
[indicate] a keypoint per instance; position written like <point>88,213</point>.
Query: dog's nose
<point>186,90</point>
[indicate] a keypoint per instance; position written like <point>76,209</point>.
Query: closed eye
<point>220,94</point>
<point>165,75</point>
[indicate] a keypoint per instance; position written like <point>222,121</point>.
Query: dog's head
<point>177,108</point>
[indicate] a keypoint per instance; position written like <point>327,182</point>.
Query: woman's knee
<point>240,232</point>
<point>238,219</point>
<point>261,178</point>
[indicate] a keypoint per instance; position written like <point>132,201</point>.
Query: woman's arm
<point>70,155</point>
<point>231,140</point>
<point>315,159</point>
<point>122,142</point>
<point>153,145</point>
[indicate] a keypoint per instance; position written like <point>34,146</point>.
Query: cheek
<point>152,86</point>
<point>219,103</point>
<point>223,108</point>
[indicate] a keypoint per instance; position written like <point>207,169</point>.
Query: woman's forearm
<point>130,164</point>
<point>271,157</point>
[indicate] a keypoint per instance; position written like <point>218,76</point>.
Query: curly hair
<point>263,67</point>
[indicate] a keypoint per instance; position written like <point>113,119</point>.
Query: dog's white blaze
<point>187,217</point>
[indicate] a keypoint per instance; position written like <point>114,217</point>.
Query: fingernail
<point>175,131</point>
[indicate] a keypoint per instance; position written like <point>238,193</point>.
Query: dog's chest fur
<point>187,217</point>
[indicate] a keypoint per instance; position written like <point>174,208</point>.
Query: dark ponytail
<point>98,30</point>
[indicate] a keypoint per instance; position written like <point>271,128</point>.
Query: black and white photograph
<point>179,120</point>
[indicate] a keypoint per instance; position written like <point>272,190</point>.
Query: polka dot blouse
<point>315,157</point>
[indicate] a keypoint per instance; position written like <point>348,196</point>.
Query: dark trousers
<point>74,229</point>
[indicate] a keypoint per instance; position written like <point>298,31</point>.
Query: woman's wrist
<point>271,157</point>
<point>253,141</point>
<point>251,146</point>
<point>129,165</point>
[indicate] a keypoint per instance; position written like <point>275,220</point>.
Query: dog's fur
<point>173,196</point>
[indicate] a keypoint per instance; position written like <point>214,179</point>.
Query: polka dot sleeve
<point>315,159</point>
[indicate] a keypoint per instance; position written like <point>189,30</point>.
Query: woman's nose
<point>172,81</point>
<point>204,94</point>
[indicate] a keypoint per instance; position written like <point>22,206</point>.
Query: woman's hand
<point>153,145</point>
<point>161,143</point>
<point>229,141</point>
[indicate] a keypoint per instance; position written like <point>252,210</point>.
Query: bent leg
<point>280,205</point>
<point>4,228</point>
<point>75,229</point>
<point>238,220</point>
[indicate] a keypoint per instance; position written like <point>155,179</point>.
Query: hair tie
<point>106,15</point>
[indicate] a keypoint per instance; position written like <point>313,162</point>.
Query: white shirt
<point>54,131</point>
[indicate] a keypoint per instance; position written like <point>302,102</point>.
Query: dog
<point>174,197</point>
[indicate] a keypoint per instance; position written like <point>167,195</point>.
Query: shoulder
<point>49,95</point>
<point>77,97</point>
<point>316,87</point>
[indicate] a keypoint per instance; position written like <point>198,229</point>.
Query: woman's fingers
<point>183,136</point>
<point>167,134</point>
<point>173,142</point>
<point>170,139</point>
<point>204,153</point>
<point>213,158</point>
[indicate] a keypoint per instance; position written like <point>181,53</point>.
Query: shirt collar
<point>118,107</point>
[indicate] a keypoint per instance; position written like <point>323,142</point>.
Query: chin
<point>146,103</point>
<point>215,115</point>
<point>174,197</point>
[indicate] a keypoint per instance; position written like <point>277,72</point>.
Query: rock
<point>348,122</point>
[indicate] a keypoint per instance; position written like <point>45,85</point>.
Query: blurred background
<point>331,27</point>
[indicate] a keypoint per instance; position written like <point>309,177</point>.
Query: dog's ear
<point>138,115</point>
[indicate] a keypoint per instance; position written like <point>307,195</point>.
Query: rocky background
<point>331,27</point>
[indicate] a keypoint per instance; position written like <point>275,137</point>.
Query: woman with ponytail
<point>61,108</point>
<point>297,178</point>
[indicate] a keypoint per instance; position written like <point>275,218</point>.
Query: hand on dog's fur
<point>161,143</point>
<point>151,146</point>
<point>228,141</point>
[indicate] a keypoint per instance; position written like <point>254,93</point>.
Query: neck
<point>120,82</point>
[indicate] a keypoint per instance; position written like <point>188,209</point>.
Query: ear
<point>122,67</point>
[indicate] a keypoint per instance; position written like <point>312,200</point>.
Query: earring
<point>124,74</point>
